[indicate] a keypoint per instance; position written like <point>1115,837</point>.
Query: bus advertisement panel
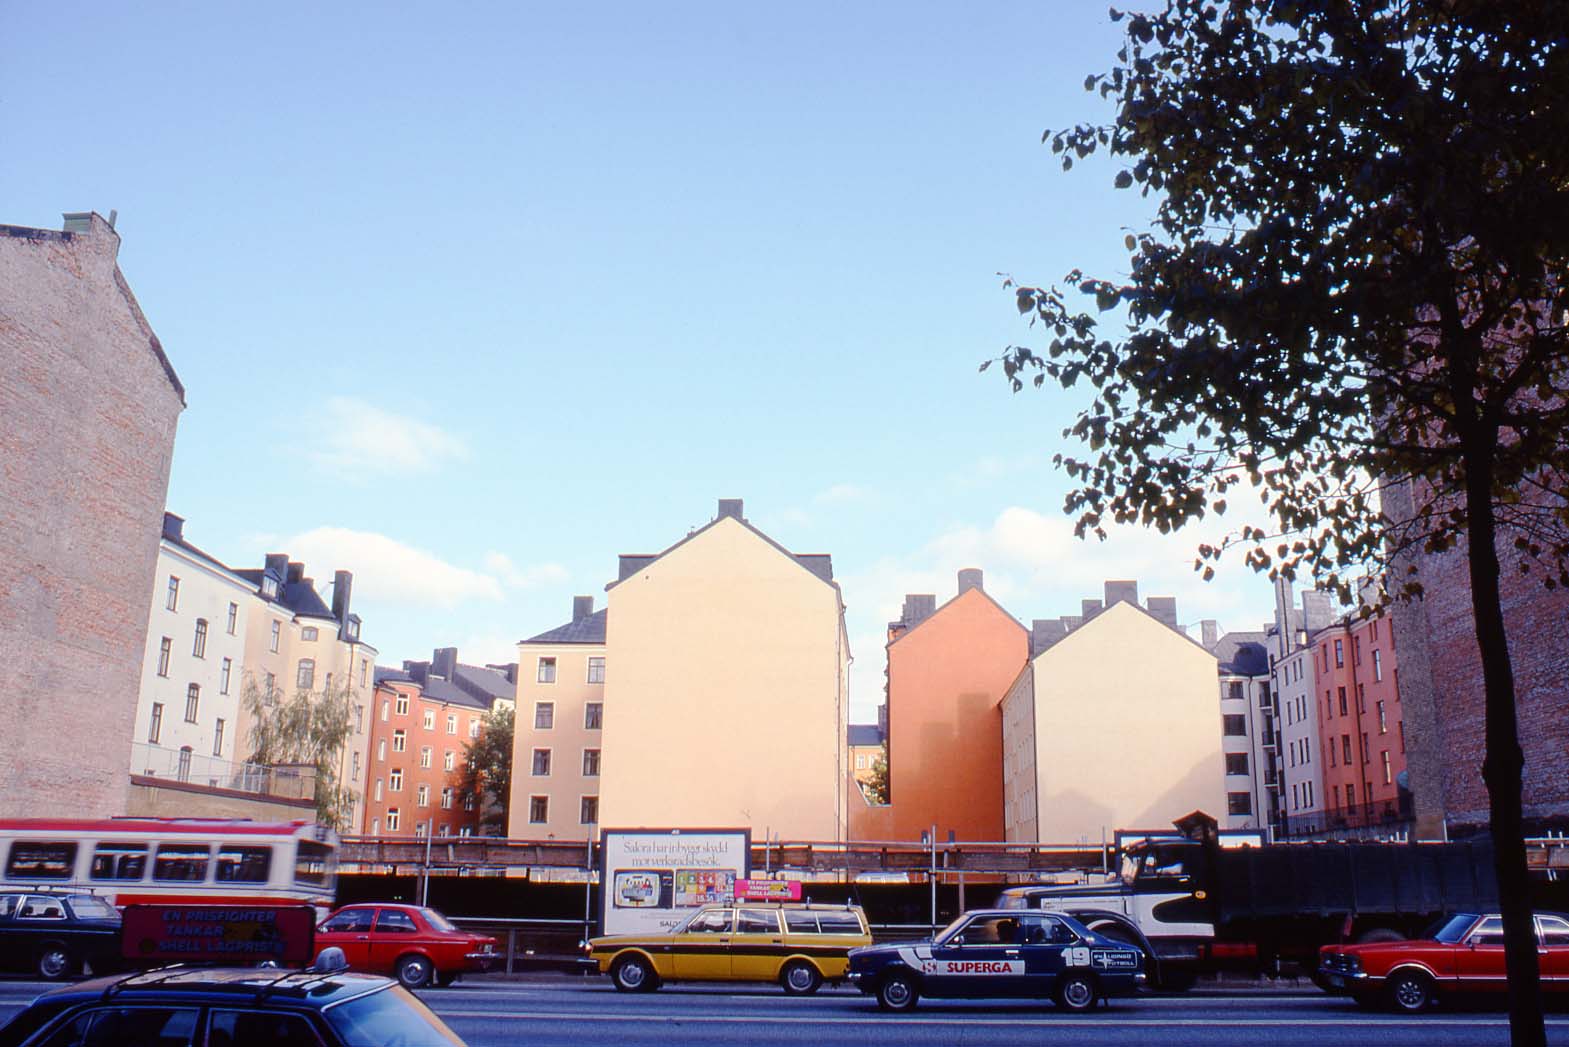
<point>653,878</point>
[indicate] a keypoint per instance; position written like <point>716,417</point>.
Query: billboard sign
<point>232,934</point>
<point>652,879</point>
<point>768,890</point>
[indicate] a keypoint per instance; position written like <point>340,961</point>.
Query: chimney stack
<point>1209,632</point>
<point>730,507</point>
<point>296,572</point>
<point>917,608</point>
<point>1163,609</point>
<point>173,527</point>
<point>1089,609</point>
<point>342,589</point>
<point>443,662</point>
<point>971,578</point>
<point>582,607</point>
<point>1044,632</point>
<point>1122,592</point>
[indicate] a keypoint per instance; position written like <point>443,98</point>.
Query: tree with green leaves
<point>485,779</point>
<point>310,728</point>
<point>876,785</point>
<point>1350,302</point>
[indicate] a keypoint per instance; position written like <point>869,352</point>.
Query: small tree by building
<point>311,727</point>
<point>876,785</point>
<point>485,780</point>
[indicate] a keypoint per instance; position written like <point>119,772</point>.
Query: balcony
<point>284,781</point>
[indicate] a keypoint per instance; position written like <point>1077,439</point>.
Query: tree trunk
<point>1502,768</point>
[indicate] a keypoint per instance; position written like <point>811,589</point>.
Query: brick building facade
<point>90,404</point>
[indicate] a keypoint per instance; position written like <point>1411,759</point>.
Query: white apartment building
<point>1249,732</point>
<point>1291,655</point>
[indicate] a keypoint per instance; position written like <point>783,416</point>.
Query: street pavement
<point>587,1012</point>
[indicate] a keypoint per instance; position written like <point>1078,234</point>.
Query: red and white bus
<point>193,860</point>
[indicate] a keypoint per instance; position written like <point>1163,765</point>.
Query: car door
<point>703,949</point>
<point>12,954</point>
<point>349,930</point>
<point>392,935</point>
<point>260,1028</point>
<point>1479,962</point>
<point>1553,952</point>
<point>1048,946</point>
<point>118,1026</point>
<point>757,946</point>
<point>982,957</point>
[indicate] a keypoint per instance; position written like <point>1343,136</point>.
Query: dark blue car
<point>1000,952</point>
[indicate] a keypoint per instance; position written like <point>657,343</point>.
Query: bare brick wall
<point>88,407</point>
<point>1441,691</point>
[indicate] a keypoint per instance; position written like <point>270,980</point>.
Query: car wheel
<point>633,974</point>
<point>54,962</point>
<point>1076,992</point>
<point>415,972</point>
<point>1409,991</point>
<point>800,978</point>
<point>897,992</point>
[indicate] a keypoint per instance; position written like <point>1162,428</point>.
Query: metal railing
<point>289,781</point>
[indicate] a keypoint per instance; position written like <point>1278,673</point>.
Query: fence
<point>289,781</point>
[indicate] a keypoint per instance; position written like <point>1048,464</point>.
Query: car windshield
<point>1449,929</point>
<point>436,920</point>
<point>951,928</point>
<point>87,907</point>
<point>393,1015</point>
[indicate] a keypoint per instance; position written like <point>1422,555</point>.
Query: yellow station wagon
<point>798,946</point>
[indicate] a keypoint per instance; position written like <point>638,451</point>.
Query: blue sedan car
<point>1000,952</point>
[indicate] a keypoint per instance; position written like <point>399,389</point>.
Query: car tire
<point>634,974</point>
<point>897,992</point>
<point>54,962</point>
<point>415,972</point>
<point>800,978</point>
<point>1076,992</point>
<point>1409,991</point>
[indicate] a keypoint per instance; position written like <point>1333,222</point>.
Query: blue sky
<point>470,298</point>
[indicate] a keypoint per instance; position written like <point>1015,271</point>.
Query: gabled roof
<point>585,630</point>
<point>865,734</point>
<point>916,627</point>
<point>1093,622</point>
<point>299,598</point>
<point>484,682</point>
<point>819,565</point>
<point>1242,654</point>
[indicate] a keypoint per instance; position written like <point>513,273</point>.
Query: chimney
<point>295,573</point>
<point>971,578</point>
<point>1209,634</point>
<point>1089,609</point>
<point>1044,632</point>
<point>342,589</point>
<point>277,564</point>
<point>1071,622</point>
<point>730,507</point>
<point>631,563</point>
<point>1317,610</point>
<point>582,607</point>
<point>443,662</point>
<point>917,608</point>
<point>1122,592</point>
<point>173,527</point>
<point>1163,609</point>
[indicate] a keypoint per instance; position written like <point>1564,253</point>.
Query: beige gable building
<point>1113,724</point>
<point>725,701</point>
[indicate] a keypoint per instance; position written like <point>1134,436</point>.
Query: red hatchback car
<point>417,944</point>
<point>1463,953</point>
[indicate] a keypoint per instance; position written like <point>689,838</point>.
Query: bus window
<point>243,864</point>
<point>41,860</point>
<point>314,865</point>
<point>119,861</point>
<point>179,861</point>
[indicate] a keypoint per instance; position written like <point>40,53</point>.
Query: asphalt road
<point>576,1013</point>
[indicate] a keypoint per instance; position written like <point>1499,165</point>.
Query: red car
<point>1463,953</point>
<point>418,945</point>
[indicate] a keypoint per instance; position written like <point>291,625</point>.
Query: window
<point>444,829</point>
<point>452,723</point>
<point>193,697</point>
<point>593,714</point>
<point>234,617</point>
<point>375,823</point>
<point>403,705</point>
<point>354,767</point>
<point>155,725</point>
<point>1356,650</point>
<point>1400,725</point>
<point>119,861</point>
<point>381,749</point>
<point>1308,787</point>
<point>364,670</point>
<point>1361,698</point>
<point>430,719</point>
<point>422,796</point>
<point>1234,690</point>
<point>1340,655</point>
<point>1366,753</point>
<point>860,760</point>
<point>172,600</point>
<point>41,860</point>
<point>258,1028</point>
<point>305,676</point>
<point>1351,795</point>
<point>182,769</point>
<point>446,798</point>
<point>217,738</point>
<point>1389,774</point>
<point>395,780</point>
<point>1383,722</point>
<point>392,819</point>
<point>1378,665</point>
<point>1239,803</point>
<point>1336,791</point>
<point>468,805</point>
<point>181,861</point>
<point>386,709</point>
<point>272,641</point>
<point>400,740</point>
<point>352,628</point>
<point>590,763</point>
<point>1342,696</point>
<point>378,790</point>
<point>544,715</point>
<point>473,727</point>
<point>270,587</point>
<point>1332,753</point>
<point>1236,763</point>
<point>271,688</point>
<point>1345,749</point>
<point>327,687</point>
<point>547,670</point>
<point>424,756</point>
<point>596,670</point>
<point>538,809</point>
<point>199,644</point>
<point>223,675</point>
<point>242,864</point>
<point>541,763</point>
<point>1555,930</point>
<point>359,718</point>
<point>308,634</point>
<point>164,647</point>
<point>449,761</point>
<point>1234,725</point>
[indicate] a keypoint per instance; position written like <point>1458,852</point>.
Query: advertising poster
<point>653,878</point>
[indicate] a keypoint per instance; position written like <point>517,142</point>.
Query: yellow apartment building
<point>725,705</point>
<point>556,744</point>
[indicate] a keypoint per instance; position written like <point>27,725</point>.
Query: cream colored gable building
<point>1113,725</point>
<point>725,701</point>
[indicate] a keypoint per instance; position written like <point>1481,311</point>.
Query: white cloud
<point>841,494</point>
<point>501,565</point>
<point>991,468</point>
<point>357,438</point>
<point>387,570</point>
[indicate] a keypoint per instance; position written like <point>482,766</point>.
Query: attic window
<point>270,588</point>
<point>352,629</point>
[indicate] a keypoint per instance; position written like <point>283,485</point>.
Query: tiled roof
<point>585,630</point>
<point>485,683</point>
<point>865,734</point>
<point>440,690</point>
<point>387,674</point>
<point>1242,654</point>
